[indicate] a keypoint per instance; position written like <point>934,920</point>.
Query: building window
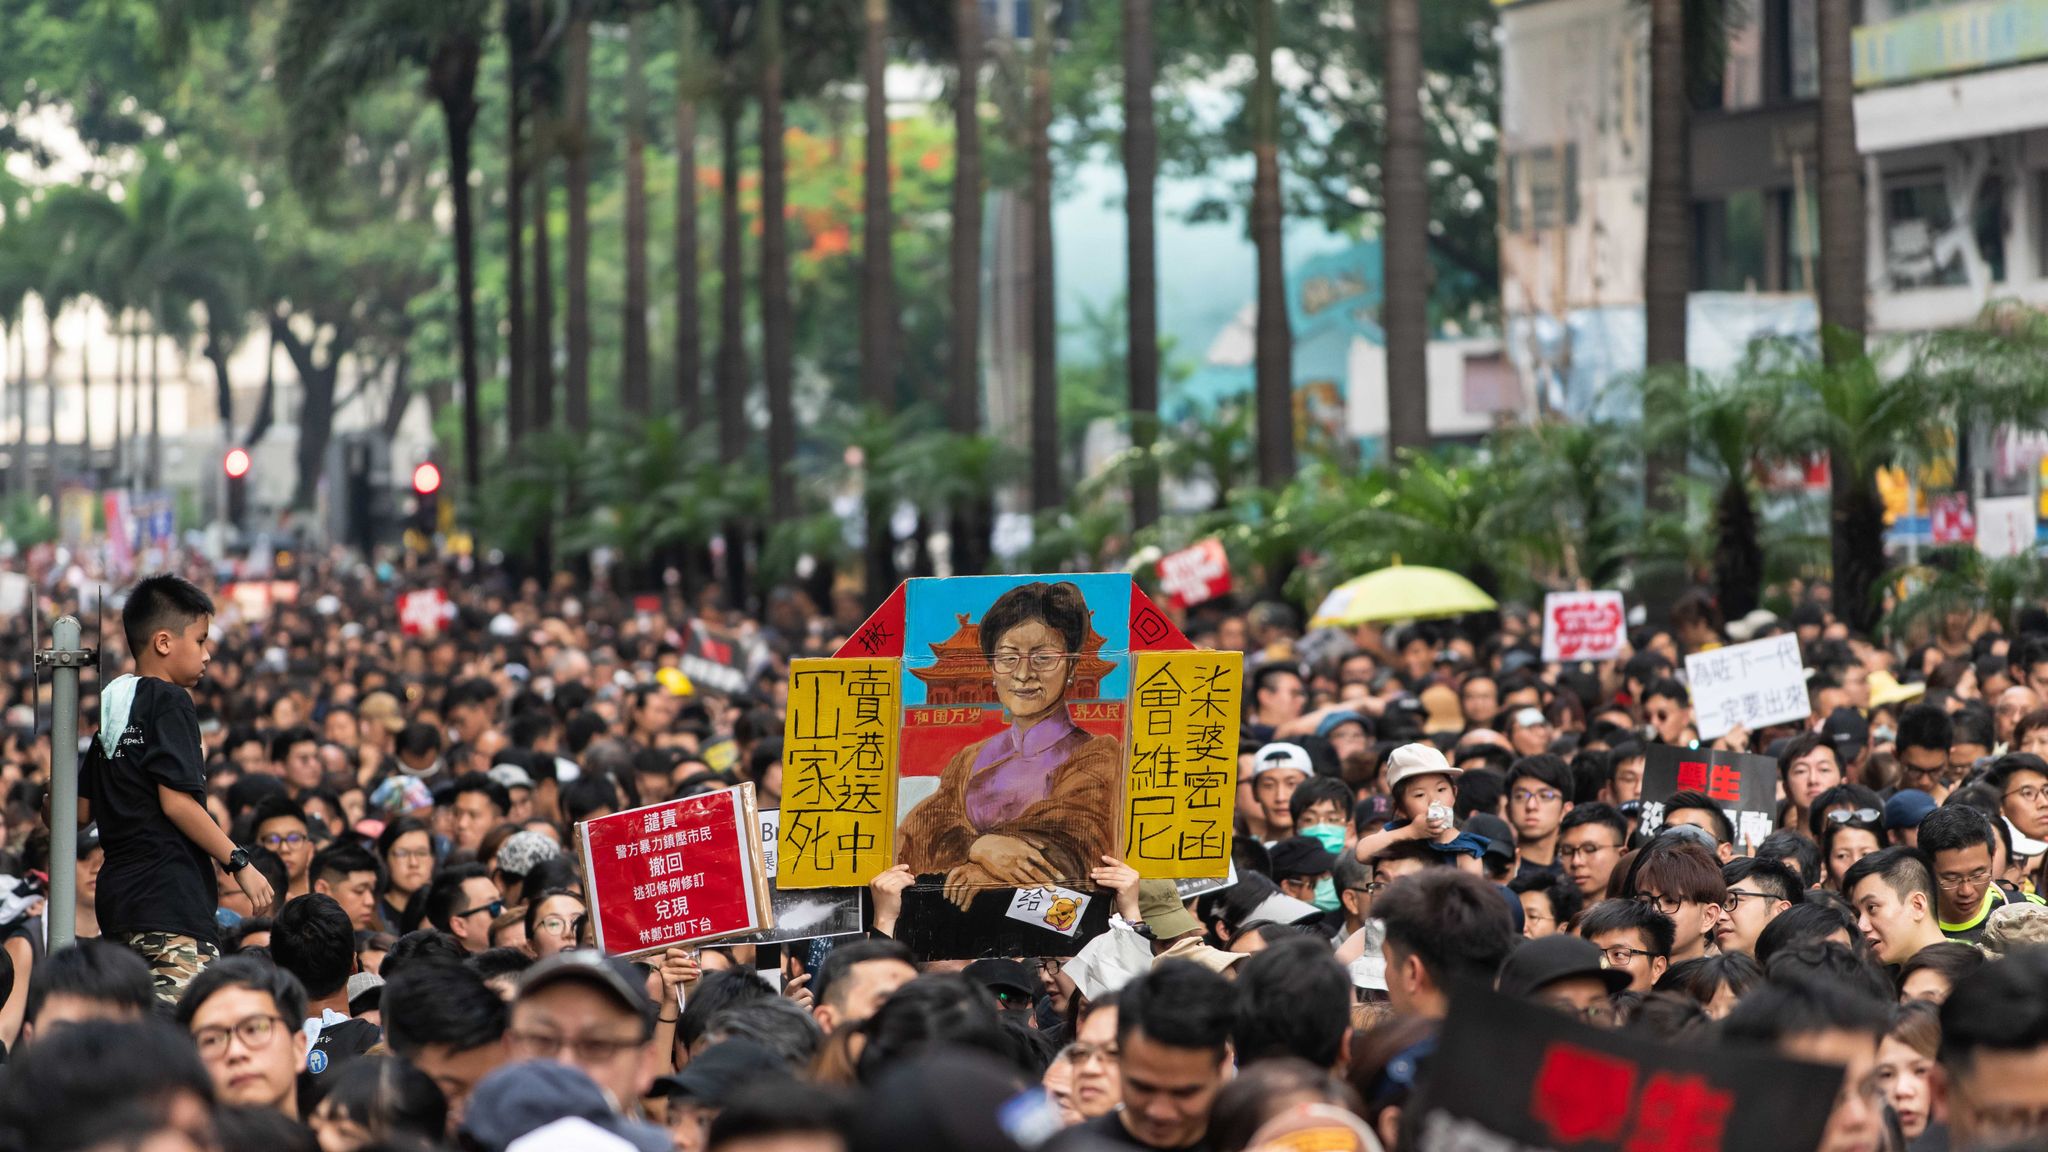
<point>1730,252</point>
<point>1802,56</point>
<point>1923,246</point>
<point>1543,189</point>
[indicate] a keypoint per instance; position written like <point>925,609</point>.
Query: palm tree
<point>878,266</point>
<point>575,144</point>
<point>689,306</point>
<point>778,320</point>
<point>541,356</point>
<point>973,517</point>
<point>1734,424</point>
<point>334,51</point>
<point>635,387</point>
<point>1842,271</point>
<point>1406,236</point>
<point>1275,342</point>
<point>1667,255</point>
<point>1047,490</point>
<point>1141,172</point>
<point>518,44</point>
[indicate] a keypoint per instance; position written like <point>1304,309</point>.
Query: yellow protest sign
<point>838,773</point>
<point>1180,786</point>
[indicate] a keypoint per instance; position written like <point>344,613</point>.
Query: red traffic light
<point>426,479</point>
<point>237,463</point>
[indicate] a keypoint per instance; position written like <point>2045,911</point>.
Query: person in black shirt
<point>1173,1027</point>
<point>144,784</point>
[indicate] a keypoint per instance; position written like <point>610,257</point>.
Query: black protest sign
<point>1515,1076</point>
<point>1744,785</point>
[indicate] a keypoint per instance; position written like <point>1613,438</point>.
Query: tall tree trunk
<point>1856,543</point>
<point>50,413</point>
<point>317,374</point>
<point>1738,557</point>
<point>154,475</point>
<point>1275,340</point>
<point>878,287</point>
<point>453,80</point>
<point>1406,238</point>
<point>974,516</point>
<point>1141,173</point>
<point>635,388</point>
<point>541,357</point>
<point>1046,489</point>
<point>731,372</point>
<point>517,44</point>
<point>266,401</point>
<point>689,284</point>
<point>778,323</point>
<point>575,141</point>
<point>1667,269</point>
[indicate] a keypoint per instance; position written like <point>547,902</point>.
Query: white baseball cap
<point>1281,754</point>
<point>1417,760</point>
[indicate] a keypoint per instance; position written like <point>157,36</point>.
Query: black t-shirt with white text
<point>154,879</point>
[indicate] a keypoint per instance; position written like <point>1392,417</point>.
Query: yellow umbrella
<point>1400,593</point>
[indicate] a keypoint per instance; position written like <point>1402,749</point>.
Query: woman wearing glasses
<point>1033,804</point>
<point>553,922</point>
<point>407,848</point>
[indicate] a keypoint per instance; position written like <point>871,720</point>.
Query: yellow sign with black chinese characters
<point>839,749</point>
<point>1180,785</point>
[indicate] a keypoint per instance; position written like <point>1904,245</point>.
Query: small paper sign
<point>1052,907</point>
<point>1754,684</point>
<point>674,873</point>
<point>1583,626</point>
<point>1195,575</point>
<point>420,612</point>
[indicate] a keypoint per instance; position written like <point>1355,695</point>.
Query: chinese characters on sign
<point>1754,684</point>
<point>839,772</point>
<point>1180,790</point>
<point>1583,626</point>
<point>677,872</point>
<point>1745,787</point>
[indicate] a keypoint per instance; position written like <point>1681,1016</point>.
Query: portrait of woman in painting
<point>1034,804</point>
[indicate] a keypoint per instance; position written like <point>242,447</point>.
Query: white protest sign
<point>1051,907</point>
<point>1754,684</point>
<point>1583,626</point>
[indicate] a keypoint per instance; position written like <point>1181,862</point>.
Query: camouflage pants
<point>173,960</point>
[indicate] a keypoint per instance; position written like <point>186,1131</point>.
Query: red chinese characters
<point>1582,1096</point>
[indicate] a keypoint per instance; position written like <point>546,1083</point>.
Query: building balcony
<point>1952,39</point>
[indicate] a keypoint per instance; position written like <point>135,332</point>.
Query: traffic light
<point>426,494</point>
<point>236,467</point>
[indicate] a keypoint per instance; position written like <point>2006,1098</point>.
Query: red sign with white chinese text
<point>1195,575</point>
<point>676,873</point>
<point>1584,626</point>
<point>421,611</point>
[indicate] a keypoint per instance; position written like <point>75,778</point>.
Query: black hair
<point>161,603</point>
<point>494,962</point>
<point>1491,756</point>
<point>419,739</point>
<point>1855,795</point>
<point>1592,770</point>
<point>1800,924</point>
<point>1703,977</point>
<point>1060,606</point>
<point>1801,1005</point>
<point>2000,1007</point>
<point>499,796</point>
<point>1605,815</point>
<point>712,995</point>
<point>1798,850</point>
<point>276,808</point>
<point>231,940</point>
<point>1830,962</point>
<point>95,970</point>
<point>423,945</point>
<point>774,1023</point>
<point>1905,870</point>
<point>1668,688</point>
<point>930,1011</point>
<point>396,827</point>
<point>1950,959</point>
<point>389,1098</point>
<point>1181,1004</point>
<point>446,890</point>
<point>1802,744</point>
<point>475,690</point>
<point>2002,769</point>
<point>1293,999</point>
<point>251,1129</point>
<point>552,875</point>
<point>1772,877</point>
<point>1724,828</point>
<point>1316,789</point>
<point>1479,790</point>
<point>586,794</point>
<point>58,1094</point>
<point>1656,928</point>
<point>1925,726</point>
<point>248,972</point>
<point>280,748</point>
<point>1953,828</point>
<point>1566,900</point>
<point>1545,769</point>
<point>830,979</point>
<point>313,939</point>
<point>1456,924</point>
<point>342,859</point>
<point>1973,724</point>
<point>780,1107</point>
<point>762,756</point>
<point>435,1002</point>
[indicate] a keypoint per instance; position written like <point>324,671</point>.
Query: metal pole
<point>64,659</point>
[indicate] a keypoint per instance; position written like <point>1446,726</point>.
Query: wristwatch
<point>1139,926</point>
<point>238,859</point>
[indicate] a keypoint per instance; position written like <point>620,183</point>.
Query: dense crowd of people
<point>329,894</point>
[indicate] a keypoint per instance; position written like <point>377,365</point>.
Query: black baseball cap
<point>617,978</point>
<point>1847,732</point>
<point>999,972</point>
<point>713,1075</point>
<point>1538,964</point>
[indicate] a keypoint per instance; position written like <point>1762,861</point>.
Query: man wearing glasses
<point>462,902</point>
<point>244,1017</point>
<point>1589,845</point>
<point>1632,938</point>
<point>1925,733</point>
<point>1994,1054</point>
<point>590,1013</point>
<point>1539,794</point>
<point>281,827</point>
<point>1758,890</point>
<point>1957,838</point>
<point>2022,783</point>
<point>1565,973</point>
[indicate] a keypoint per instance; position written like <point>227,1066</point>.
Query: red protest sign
<point>421,611</point>
<point>674,873</point>
<point>1195,575</point>
<point>1584,626</point>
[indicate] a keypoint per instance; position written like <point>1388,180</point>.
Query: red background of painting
<point>723,860</point>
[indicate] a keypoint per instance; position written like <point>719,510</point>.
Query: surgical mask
<point>1326,895</point>
<point>1330,836</point>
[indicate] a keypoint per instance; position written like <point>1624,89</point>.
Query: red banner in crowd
<point>688,870</point>
<point>1584,626</point>
<point>1195,575</point>
<point>421,611</point>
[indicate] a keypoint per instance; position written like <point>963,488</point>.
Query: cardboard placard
<point>680,872</point>
<point>1515,1074</point>
<point>1195,575</point>
<point>839,772</point>
<point>805,913</point>
<point>1744,785</point>
<point>1180,790</point>
<point>1584,626</point>
<point>1754,684</point>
